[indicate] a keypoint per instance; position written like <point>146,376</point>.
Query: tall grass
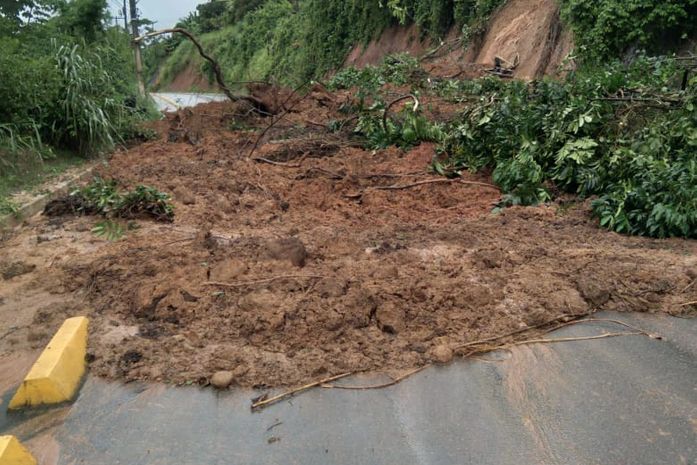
<point>90,111</point>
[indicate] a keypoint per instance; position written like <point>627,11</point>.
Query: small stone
<point>441,354</point>
<point>222,379</point>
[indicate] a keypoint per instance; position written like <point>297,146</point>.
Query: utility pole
<point>124,11</point>
<point>136,48</point>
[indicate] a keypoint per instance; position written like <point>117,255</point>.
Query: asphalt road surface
<point>625,400</point>
<point>170,101</point>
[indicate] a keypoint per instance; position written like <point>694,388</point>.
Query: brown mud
<point>315,257</point>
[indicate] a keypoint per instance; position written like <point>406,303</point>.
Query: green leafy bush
<point>103,197</point>
<point>625,135</point>
<point>405,130</point>
<point>399,69</point>
<point>607,28</point>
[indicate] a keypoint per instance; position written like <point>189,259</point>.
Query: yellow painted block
<point>56,375</point>
<point>14,453</point>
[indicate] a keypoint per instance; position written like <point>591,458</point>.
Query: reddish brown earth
<point>307,267</point>
<point>528,32</point>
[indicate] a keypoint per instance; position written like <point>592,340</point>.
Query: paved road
<point>170,101</point>
<point>628,400</point>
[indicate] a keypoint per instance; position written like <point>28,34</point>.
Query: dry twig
<point>260,404</point>
<point>281,116</point>
<point>261,281</point>
<point>435,181</point>
<point>397,380</point>
<point>581,338</point>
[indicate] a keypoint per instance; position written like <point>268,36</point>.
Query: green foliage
<point>636,154</point>
<point>400,69</point>
<point>82,18</point>
<point>294,41</point>
<point>407,129</point>
<point>103,197</point>
<point>8,207</point>
<point>65,82</point>
<point>109,230</point>
<point>607,28</point>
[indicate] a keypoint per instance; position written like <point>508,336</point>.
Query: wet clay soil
<point>306,267</point>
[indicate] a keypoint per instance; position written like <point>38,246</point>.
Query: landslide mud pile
<point>315,257</point>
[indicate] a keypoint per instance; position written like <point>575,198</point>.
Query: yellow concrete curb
<point>12,452</point>
<point>56,375</point>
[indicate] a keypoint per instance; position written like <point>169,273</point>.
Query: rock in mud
<point>290,248</point>
<point>390,318</point>
<point>222,379</point>
<point>594,292</point>
<point>441,354</point>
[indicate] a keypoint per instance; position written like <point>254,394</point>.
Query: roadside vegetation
<point>291,42</point>
<point>623,135</point>
<point>67,88</point>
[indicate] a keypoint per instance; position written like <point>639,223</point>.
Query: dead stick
<point>277,163</point>
<point>280,117</point>
<point>262,281</point>
<point>609,320</point>
<point>688,303</point>
<point>689,286</point>
<point>573,339</point>
<point>519,331</point>
<point>272,400</point>
<point>435,181</point>
<point>377,386</point>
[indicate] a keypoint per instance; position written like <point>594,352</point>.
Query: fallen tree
<point>256,103</point>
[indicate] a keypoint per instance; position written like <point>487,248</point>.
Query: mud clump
<point>15,269</point>
<point>288,249</point>
<point>441,354</point>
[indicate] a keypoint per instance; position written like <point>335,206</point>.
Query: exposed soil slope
<point>305,265</point>
<point>529,31</point>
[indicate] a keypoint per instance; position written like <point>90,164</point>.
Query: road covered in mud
<point>301,255</point>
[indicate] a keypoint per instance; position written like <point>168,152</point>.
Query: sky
<point>166,13</point>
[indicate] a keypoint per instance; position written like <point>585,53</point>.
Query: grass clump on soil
<point>102,197</point>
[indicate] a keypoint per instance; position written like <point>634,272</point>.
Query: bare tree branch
<point>255,102</point>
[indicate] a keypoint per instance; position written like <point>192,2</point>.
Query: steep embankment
<point>529,31</point>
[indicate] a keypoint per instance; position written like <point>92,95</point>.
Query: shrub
<point>627,136</point>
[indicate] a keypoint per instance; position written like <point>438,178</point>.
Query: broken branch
<point>393,103</point>
<point>272,400</point>
<point>261,281</point>
<point>377,386</point>
<point>217,71</point>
